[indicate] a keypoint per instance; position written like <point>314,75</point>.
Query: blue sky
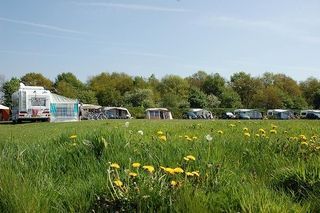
<point>144,37</point>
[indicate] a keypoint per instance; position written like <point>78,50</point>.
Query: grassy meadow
<point>176,166</point>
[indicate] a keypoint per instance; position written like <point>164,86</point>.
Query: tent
<point>63,109</point>
<point>158,113</point>
<point>4,113</point>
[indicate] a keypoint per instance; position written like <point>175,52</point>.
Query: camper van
<point>198,114</point>
<point>309,114</point>
<point>283,114</point>
<point>30,103</point>
<point>247,114</point>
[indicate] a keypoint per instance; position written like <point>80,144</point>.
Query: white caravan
<point>31,103</point>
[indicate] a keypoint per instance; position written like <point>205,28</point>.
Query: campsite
<point>159,106</point>
<point>160,165</point>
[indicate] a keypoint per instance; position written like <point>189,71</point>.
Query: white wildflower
<point>208,137</point>
<point>140,132</point>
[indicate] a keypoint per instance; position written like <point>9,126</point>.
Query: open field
<point>199,166</point>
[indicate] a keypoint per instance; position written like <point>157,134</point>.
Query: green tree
<point>213,101</point>
<point>214,84</point>
<point>268,98</point>
<point>110,97</point>
<point>37,79</point>
<point>197,98</point>
<point>67,84</point>
<point>87,97</point>
<point>246,86</point>
<point>197,79</point>
<point>309,88</point>
<point>8,88</point>
<point>139,98</point>
<point>230,99</point>
<point>316,99</point>
<point>174,91</point>
<point>71,79</point>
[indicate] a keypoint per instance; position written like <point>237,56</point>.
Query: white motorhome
<point>283,114</point>
<point>31,103</point>
<point>304,113</point>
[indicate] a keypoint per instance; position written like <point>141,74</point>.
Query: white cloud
<point>132,7</point>
<point>43,26</point>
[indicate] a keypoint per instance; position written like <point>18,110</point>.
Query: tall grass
<point>43,169</point>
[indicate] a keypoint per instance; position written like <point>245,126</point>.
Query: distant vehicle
<point>304,113</point>
<point>87,111</point>
<point>198,114</point>
<point>4,113</point>
<point>313,115</point>
<point>158,113</point>
<point>30,103</point>
<point>283,114</point>
<point>247,114</point>
<point>228,115</point>
<point>116,113</point>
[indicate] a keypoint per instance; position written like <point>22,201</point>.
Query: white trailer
<point>31,103</point>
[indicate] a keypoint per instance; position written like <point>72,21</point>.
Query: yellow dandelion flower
<point>245,129</point>
<point>173,183</point>
<point>115,166</point>
<point>73,137</point>
<point>118,183</point>
<point>160,133</point>
<point>318,147</point>
<point>136,165</point>
<point>133,174</point>
<point>247,134</point>
<point>194,137</point>
<point>257,135</point>
<point>168,170</point>
<point>191,157</point>
<point>232,125</point>
<point>262,131</point>
<point>273,126</point>
<point>220,132</point>
<point>273,131</point>
<point>285,132</point>
<point>189,174</point>
<point>304,143</point>
<point>187,159</point>
<point>303,138</point>
<point>163,138</point>
<point>189,139</point>
<point>196,173</point>
<point>150,169</point>
<point>178,170</point>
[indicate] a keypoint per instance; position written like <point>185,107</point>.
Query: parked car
<point>313,115</point>
<point>228,115</point>
<point>248,114</point>
<point>198,114</point>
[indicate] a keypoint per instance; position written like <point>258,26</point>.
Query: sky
<point>161,37</point>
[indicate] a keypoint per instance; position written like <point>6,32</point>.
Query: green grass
<point>43,170</point>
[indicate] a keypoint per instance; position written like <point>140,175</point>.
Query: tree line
<point>200,90</point>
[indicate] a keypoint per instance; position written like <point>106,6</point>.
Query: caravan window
<point>38,101</point>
